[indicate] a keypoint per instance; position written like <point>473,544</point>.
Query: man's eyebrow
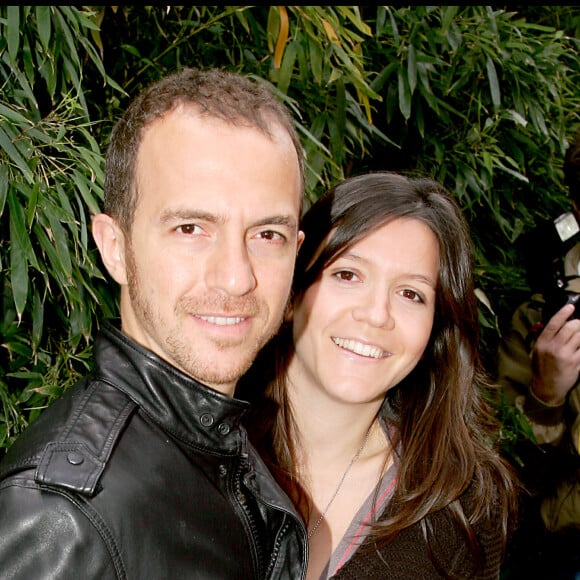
<point>277,220</point>
<point>171,215</point>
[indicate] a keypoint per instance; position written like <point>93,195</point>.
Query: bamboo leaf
<point>316,62</point>
<point>37,318</point>
<point>412,68</point>
<point>19,248</point>
<point>287,68</point>
<point>13,116</point>
<point>13,32</point>
<point>71,53</point>
<point>3,187</point>
<point>493,83</point>
<point>31,205</point>
<point>14,155</point>
<point>404,96</point>
<point>337,127</point>
<point>60,241</point>
<point>282,39</point>
<point>54,265</point>
<point>26,92</point>
<point>44,26</point>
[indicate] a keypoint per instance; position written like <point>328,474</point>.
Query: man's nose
<point>230,267</point>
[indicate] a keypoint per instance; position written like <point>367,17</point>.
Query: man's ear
<point>110,240</point>
<point>300,239</point>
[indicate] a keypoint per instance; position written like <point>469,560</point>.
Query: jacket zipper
<point>255,542</point>
<point>288,518</point>
<point>276,549</point>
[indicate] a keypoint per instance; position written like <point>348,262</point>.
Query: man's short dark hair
<point>215,93</point>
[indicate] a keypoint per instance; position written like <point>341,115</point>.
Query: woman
<point>374,418</point>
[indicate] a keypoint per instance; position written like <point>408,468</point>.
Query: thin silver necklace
<point>354,459</point>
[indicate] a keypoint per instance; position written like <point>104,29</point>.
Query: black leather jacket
<point>140,472</point>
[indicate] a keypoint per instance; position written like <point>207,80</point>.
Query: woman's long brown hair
<point>447,432</point>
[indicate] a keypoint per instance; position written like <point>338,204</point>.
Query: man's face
<point>210,258</point>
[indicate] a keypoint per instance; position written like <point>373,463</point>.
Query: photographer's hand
<point>556,358</point>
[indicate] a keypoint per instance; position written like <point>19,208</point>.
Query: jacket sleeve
<point>514,374</point>
<point>46,534</point>
<point>575,408</point>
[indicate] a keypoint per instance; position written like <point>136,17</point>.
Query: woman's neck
<point>330,430</point>
<point>342,452</point>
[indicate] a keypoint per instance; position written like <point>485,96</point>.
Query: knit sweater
<point>407,556</point>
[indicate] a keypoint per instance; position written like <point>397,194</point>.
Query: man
<point>142,470</point>
<point>538,366</point>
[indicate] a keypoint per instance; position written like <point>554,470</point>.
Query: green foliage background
<point>483,98</point>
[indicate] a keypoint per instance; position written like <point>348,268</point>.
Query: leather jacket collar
<point>192,412</point>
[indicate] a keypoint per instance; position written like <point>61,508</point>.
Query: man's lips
<point>222,320</point>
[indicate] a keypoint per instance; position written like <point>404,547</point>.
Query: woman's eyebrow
<point>350,255</point>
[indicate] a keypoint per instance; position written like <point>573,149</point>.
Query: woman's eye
<point>345,275</point>
<point>412,295</point>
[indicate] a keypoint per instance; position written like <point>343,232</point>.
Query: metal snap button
<point>75,458</point>
<point>223,428</point>
<point>206,420</point>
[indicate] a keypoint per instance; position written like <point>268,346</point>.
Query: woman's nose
<point>375,309</point>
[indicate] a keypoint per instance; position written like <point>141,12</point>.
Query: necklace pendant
<point>354,459</point>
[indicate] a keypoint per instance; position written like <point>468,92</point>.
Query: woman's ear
<point>110,240</point>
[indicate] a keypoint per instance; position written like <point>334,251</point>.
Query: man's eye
<point>271,235</point>
<point>189,229</point>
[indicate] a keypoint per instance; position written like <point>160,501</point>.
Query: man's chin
<point>219,376</point>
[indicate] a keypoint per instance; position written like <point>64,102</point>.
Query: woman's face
<point>365,322</point>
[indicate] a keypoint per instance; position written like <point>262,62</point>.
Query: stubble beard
<point>179,352</point>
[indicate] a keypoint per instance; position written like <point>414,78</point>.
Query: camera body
<point>558,237</point>
<point>556,299</point>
